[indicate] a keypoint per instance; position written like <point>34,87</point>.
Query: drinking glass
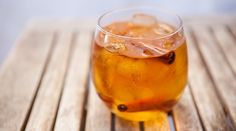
<point>139,61</point>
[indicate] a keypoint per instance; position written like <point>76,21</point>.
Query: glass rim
<point>101,28</point>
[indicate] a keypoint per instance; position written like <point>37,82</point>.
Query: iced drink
<point>139,66</point>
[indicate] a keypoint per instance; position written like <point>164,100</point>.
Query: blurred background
<point>15,14</point>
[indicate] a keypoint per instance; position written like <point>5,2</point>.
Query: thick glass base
<point>141,116</point>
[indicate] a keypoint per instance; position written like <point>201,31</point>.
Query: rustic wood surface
<point>45,83</point>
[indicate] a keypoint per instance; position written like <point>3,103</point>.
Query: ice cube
<point>144,20</point>
<point>143,49</point>
<point>168,43</point>
<point>152,50</point>
<point>160,31</point>
<point>163,29</point>
<point>132,50</point>
<point>131,67</point>
<point>137,31</point>
<point>115,47</point>
<point>118,28</point>
<point>166,27</point>
<point>148,52</point>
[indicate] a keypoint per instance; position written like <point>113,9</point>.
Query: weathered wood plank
<point>20,76</point>
<point>124,125</point>
<point>46,104</point>
<point>71,106</point>
<point>203,90</point>
<point>22,73</point>
<point>98,115</point>
<point>227,43</point>
<point>219,69</point>
<point>160,124</point>
<point>232,28</point>
<point>185,114</point>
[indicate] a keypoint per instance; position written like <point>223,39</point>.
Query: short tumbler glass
<point>139,61</point>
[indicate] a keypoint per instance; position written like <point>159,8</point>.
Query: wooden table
<point>45,84</point>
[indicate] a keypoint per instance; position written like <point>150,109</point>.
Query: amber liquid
<point>139,89</point>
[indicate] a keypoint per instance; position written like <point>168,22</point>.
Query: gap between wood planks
<point>71,50</point>
<point>221,99</point>
<point>51,50</point>
<point>209,74</point>
<point>141,125</point>
<point>230,120</point>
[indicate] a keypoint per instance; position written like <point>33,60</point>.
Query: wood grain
<point>20,76</point>
<point>124,125</point>
<point>43,82</point>
<point>232,28</point>
<point>207,101</point>
<point>219,69</point>
<point>70,112</point>
<point>46,104</point>
<point>185,114</point>
<point>227,43</point>
<point>98,115</point>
